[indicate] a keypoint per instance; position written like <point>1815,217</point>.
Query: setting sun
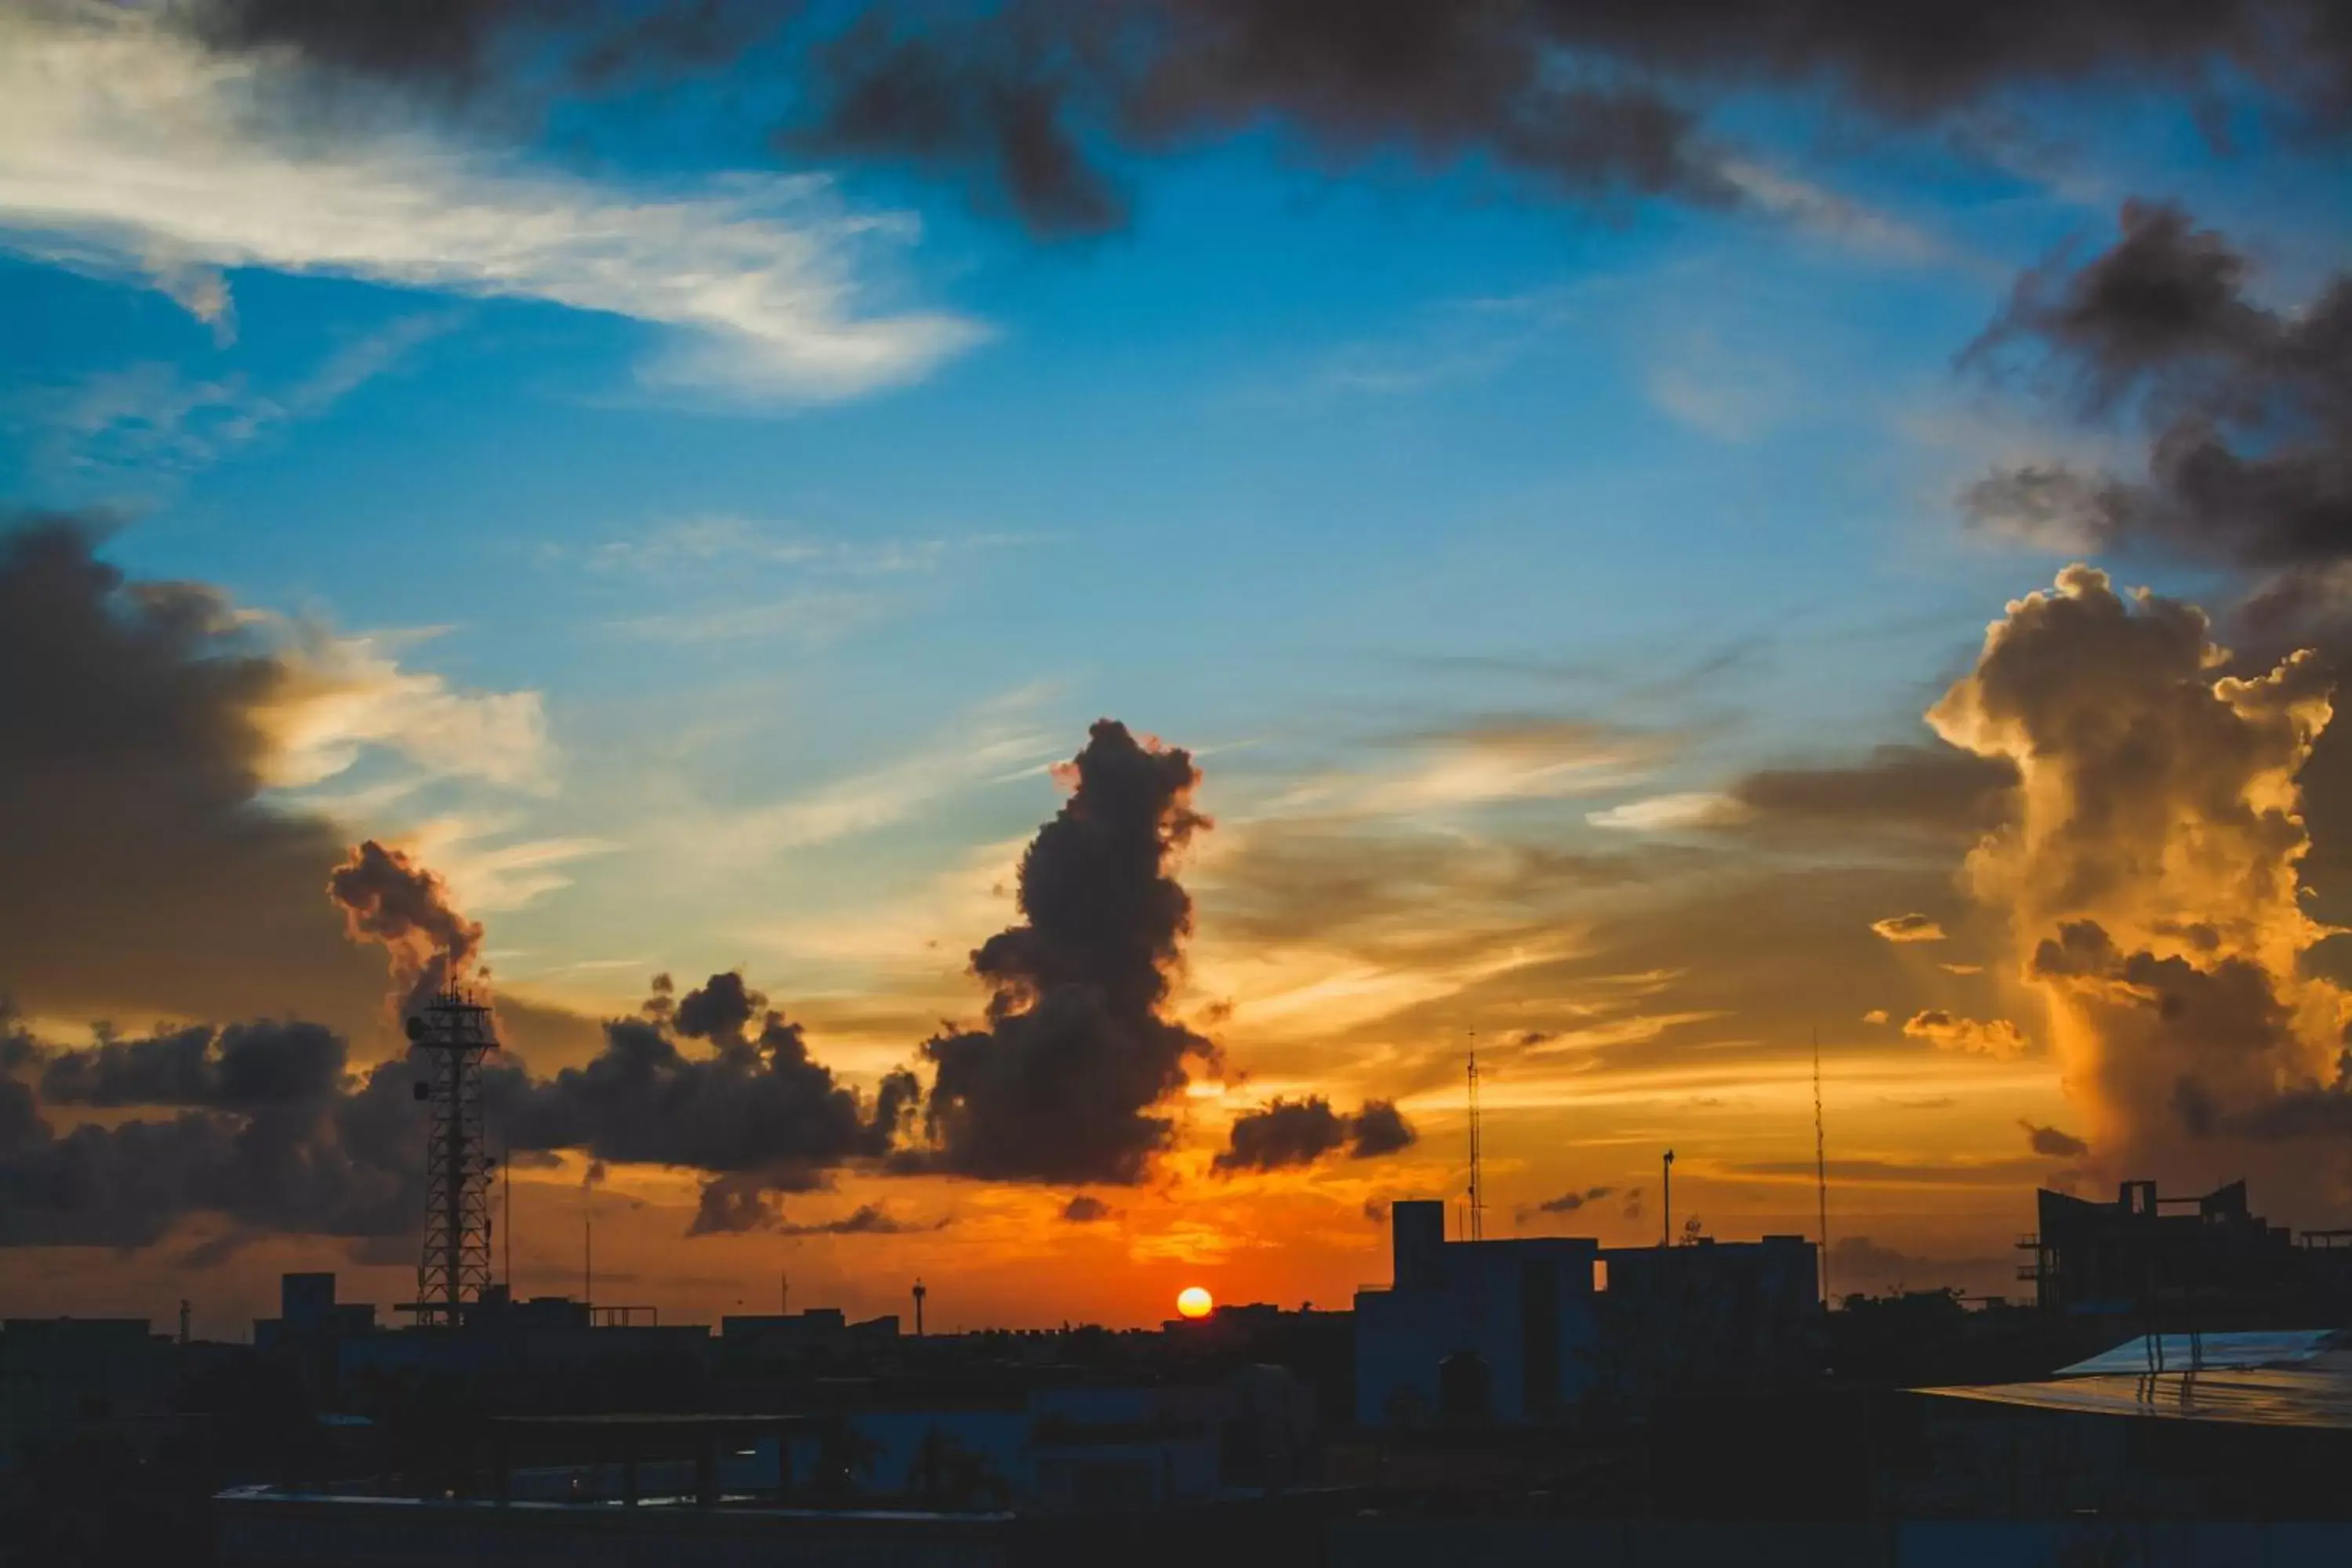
<point>1194,1303</point>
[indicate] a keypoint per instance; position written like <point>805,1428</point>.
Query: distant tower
<point>1477,1171</point>
<point>919,1294</point>
<point>453,1031</point>
<point>1666,1202</point>
<point>183,1321</point>
<point>1820,1169</point>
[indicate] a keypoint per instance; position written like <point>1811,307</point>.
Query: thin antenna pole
<point>505,1214</point>
<point>784,1293</point>
<point>1821,1170</point>
<point>1667,1204</point>
<point>1477,1173</point>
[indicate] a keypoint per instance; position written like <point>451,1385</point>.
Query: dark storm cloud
<point>1065,1081</point>
<point>243,1067</point>
<point>394,37</point>
<point>2249,408</point>
<point>464,45</point>
<point>1028,102</point>
<point>2051,1140</point>
<point>1583,99</point>
<point>758,1113</point>
<point>269,1139</point>
<point>138,871</point>
<point>1286,1132</point>
<point>1379,1128</point>
<point>1086,1209</point>
<point>273,1136</point>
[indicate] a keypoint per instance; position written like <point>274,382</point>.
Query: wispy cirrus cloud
<point>1482,761</point>
<point>126,147</point>
<point>153,418</point>
<point>736,579</point>
<point>997,742</point>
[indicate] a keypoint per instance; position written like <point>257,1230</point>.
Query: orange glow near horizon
<point>1194,1303</point>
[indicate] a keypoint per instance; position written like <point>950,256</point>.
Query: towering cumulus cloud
<point>1065,1083</point>
<point>2151,871</point>
<point>387,897</point>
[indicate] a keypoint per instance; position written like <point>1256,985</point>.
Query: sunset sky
<point>1632,515</point>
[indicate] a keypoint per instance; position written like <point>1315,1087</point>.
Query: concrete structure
<point>2179,1262</point>
<point>1524,1330</point>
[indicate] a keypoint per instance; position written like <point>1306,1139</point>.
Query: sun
<point>1194,1303</point>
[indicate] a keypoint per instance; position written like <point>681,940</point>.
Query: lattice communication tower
<point>453,1030</point>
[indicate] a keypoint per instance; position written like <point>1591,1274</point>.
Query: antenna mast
<point>1821,1170</point>
<point>453,1031</point>
<point>1477,1171</point>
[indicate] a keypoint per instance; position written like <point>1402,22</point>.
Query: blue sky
<point>804,515</point>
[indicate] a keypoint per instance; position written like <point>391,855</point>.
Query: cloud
<point>151,418</point>
<point>1975,1037</point>
<point>1569,1203</point>
<point>126,144</point>
<point>1380,1129</point>
<point>1909,928</point>
<point>243,1067</point>
<point>346,694</point>
<point>1904,1172</point>
<point>267,1137</point>
<point>993,745</point>
<point>1063,1082</point>
<point>273,1135</point>
<point>2050,1141</point>
<point>150,869</point>
<point>758,1114</point>
<point>731,1209</point>
<point>1934,793</point>
<point>1037,107</point>
<point>1483,762</point>
<point>1287,1132</point>
<point>1086,1209</point>
<point>1572,100</point>
<point>2249,408</point>
<point>2152,878</point>
<point>1666,812</point>
<point>386,896</point>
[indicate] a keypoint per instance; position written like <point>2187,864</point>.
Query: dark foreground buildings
<point>1529,1400</point>
<point>2181,1262</point>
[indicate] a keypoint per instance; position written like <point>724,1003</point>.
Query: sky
<point>1102,590</point>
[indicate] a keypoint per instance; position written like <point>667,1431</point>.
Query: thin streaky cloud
<point>126,146</point>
